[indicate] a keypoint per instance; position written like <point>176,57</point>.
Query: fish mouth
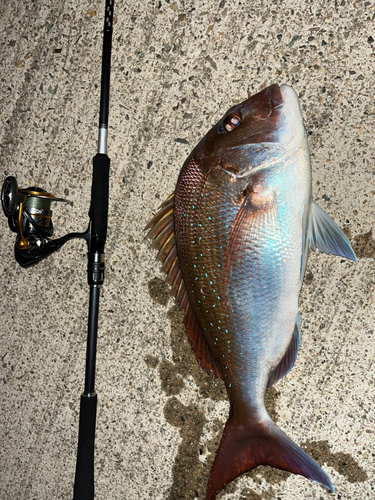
<point>293,130</point>
<point>272,116</point>
<point>274,128</point>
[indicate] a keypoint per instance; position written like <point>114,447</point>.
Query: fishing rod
<point>84,478</point>
<point>29,215</point>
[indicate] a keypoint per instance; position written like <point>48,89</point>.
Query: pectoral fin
<point>257,212</point>
<point>326,236</point>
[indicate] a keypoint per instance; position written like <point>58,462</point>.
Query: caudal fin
<point>243,448</point>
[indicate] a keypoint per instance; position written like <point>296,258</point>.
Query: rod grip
<point>84,479</point>
<point>99,202</point>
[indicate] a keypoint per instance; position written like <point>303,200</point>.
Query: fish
<point>233,240</point>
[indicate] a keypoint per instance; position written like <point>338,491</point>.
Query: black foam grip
<point>99,201</point>
<point>84,479</point>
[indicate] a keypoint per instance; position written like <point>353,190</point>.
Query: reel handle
<point>11,197</point>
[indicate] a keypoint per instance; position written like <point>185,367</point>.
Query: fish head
<point>254,134</point>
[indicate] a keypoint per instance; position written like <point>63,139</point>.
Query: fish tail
<point>244,447</point>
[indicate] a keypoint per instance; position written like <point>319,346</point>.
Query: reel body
<point>30,216</point>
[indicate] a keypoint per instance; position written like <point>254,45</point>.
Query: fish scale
<point>202,242</point>
<point>267,302</point>
<point>233,240</point>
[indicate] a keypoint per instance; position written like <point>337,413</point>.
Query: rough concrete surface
<point>176,67</point>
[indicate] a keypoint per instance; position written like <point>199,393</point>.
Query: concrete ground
<point>176,68</point>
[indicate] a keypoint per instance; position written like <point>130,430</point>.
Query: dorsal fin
<point>199,344</point>
<point>161,232</point>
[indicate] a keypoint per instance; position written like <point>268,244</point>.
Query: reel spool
<point>30,216</point>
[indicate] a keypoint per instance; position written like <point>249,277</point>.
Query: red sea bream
<point>233,240</point>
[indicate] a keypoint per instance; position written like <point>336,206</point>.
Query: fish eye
<point>230,122</point>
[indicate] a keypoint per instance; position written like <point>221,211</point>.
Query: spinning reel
<point>30,216</point>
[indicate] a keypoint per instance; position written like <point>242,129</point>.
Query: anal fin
<point>289,358</point>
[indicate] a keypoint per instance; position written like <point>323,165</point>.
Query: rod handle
<point>84,479</point>
<point>99,202</point>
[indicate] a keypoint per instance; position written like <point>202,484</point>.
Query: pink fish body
<point>233,241</point>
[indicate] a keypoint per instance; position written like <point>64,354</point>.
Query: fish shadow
<point>190,469</point>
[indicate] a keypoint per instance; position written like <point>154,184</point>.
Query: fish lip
<point>276,96</point>
<point>292,130</point>
<point>291,135</point>
<point>293,117</point>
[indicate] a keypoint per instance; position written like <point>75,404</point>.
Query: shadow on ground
<point>190,474</point>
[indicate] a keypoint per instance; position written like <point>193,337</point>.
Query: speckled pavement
<point>176,67</point>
